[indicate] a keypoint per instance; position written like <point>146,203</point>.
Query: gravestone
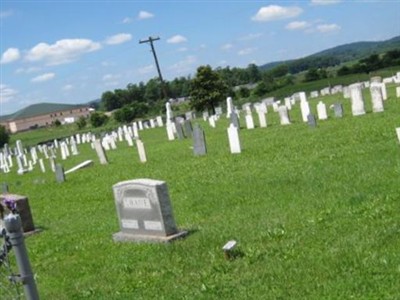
<point>398,92</point>
<point>233,136</point>
<point>188,128</point>
<point>100,152</point>
<point>262,119</point>
<point>60,175</point>
<point>398,133</point>
<point>144,212</point>
<point>321,111</point>
<point>199,141</point>
<point>376,97</point>
<point>23,209</point>
<point>179,130</point>
<point>305,109</point>
<point>283,115</point>
<point>357,100</point>
<point>338,110</point>
<point>170,131</point>
<point>141,151</point>
<point>235,120</point>
<point>311,121</point>
<point>229,108</point>
<point>249,121</point>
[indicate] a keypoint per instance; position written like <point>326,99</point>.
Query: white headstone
<point>376,97</point>
<point>170,131</point>
<point>229,107</point>
<point>398,92</point>
<point>398,133</point>
<point>211,121</point>
<point>233,136</point>
<point>41,164</point>
<point>283,115</point>
<point>357,100</point>
<point>321,111</point>
<point>262,119</point>
<point>305,109</point>
<point>141,151</point>
<point>249,121</point>
<point>169,112</point>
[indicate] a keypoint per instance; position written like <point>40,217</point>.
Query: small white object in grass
<point>229,245</point>
<point>398,133</point>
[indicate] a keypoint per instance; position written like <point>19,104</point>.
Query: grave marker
<point>199,141</point>
<point>60,176</point>
<point>233,136</point>
<point>144,212</point>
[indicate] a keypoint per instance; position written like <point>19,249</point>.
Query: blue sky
<point>73,51</point>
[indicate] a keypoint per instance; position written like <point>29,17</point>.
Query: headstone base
<point>135,238</point>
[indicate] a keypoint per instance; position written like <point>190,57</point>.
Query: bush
<point>4,136</point>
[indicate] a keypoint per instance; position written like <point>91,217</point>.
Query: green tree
<point>207,89</point>
<point>110,101</point>
<point>98,119</point>
<point>57,123</point>
<point>4,136</point>
<point>81,123</point>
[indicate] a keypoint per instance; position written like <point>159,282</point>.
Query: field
<point>315,212</point>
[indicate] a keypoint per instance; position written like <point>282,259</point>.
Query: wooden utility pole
<point>151,40</point>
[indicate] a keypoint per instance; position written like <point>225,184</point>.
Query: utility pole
<point>151,40</point>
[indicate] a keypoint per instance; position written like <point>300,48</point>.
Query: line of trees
<point>372,63</point>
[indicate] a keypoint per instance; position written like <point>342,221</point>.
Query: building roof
<point>40,109</point>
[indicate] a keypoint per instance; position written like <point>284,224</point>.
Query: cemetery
<point>295,199</point>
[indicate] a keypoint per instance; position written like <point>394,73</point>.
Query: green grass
<point>315,212</point>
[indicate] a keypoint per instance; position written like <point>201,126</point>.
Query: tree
<point>110,101</point>
<point>81,123</point>
<point>98,119</point>
<point>4,136</point>
<point>57,123</point>
<point>207,89</point>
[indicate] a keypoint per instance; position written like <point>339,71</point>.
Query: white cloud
<point>110,77</point>
<point>5,13</point>
<point>6,93</point>
<point>44,77</point>
<point>176,39</point>
<point>324,28</point>
<point>68,87</point>
<point>185,65</point>
<point>118,39</point>
<point>226,47</point>
<point>10,55</point>
<point>61,52</point>
<point>146,70</point>
<point>276,12</point>
<point>127,20</point>
<point>144,15</point>
<point>251,36</point>
<point>27,70</point>
<point>324,2</point>
<point>246,51</point>
<point>297,25</point>
<point>182,49</point>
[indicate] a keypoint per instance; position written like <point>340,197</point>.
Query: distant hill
<point>337,55</point>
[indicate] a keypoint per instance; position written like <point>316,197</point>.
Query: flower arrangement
<point>8,205</point>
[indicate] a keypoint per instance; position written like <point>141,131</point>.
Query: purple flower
<point>10,204</point>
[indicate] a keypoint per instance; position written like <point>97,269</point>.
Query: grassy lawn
<point>315,211</point>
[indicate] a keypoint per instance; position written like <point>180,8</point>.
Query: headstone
<point>85,164</point>
<point>398,92</point>
<point>218,111</point>
<point>233,136</point>
<point>211,121</point>
<point>179,130</point>
<point>205,115</point>
<point>170,131</point>
<point>229,107</point>
<point>160,122</point>
<point>311,121</point>
<point>141,151</point>
<point>170,114</point>
<point>235,120</point>
<point>305,109</point>
<point>376,97</point>
<point>262,119</point>
<point>384,91</point>
<point>283,115</point>
<point>100,152</point>
<point>23,209</point>
<point>199,141</point>
<point>338,110</point>
<point>321,111</point>
<point>144,212</point>
<point>398,133</point>
<point>41,164</point>
<point>52,164</point>
<point>188,128</point>
<point>249,121</point>
<point>60,176</point>
<point>357,100</point>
